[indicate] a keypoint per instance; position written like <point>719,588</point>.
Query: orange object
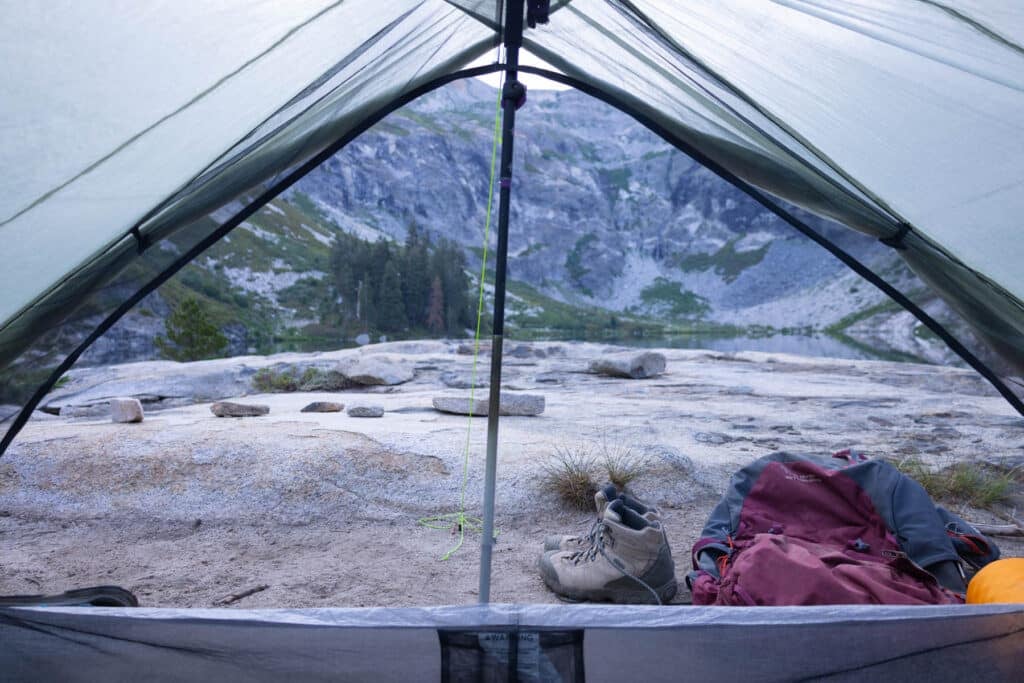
<point>999,581</point>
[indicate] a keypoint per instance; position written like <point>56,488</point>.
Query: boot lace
<point>600,537</point>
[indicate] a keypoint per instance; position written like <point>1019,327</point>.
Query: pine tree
<point>391,309</point>
<point>191,335</point>
<point>450,266</point>
<point>435,309</point>
<point>346,279</point>
<point>364,307</point>
<point>416,277</point>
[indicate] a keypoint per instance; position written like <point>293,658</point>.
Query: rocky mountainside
<point>608,223</point>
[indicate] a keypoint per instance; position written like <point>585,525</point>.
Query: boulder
<point>89,392</point>
<point>324,407</point>
<point>511,404</point>
<point>366,411</point>
<point>630,365</point>
<point>125,410</point>
<point>379,370</point>
<point>460,405</point>
<point>229,409</point>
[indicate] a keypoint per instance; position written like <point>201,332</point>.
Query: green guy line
<point>459,519</point>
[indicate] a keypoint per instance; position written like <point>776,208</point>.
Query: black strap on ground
<point>512,96</point>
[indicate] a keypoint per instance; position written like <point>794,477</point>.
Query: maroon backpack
<point>804,530</point>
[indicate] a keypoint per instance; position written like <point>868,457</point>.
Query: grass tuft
<point>962,483</point>
<point>574,473</point>
<point>621,464</point>
<point>568,474</point>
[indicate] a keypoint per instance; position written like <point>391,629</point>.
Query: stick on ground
<point>235,597</point>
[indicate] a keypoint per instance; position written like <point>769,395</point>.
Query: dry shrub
<point>622,465</point>
<point>574,473</point>
<point>568,474</point>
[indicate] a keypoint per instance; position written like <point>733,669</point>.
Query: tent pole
<point>510,100</point>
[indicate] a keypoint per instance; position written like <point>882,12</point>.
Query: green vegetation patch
<point>617,178</point>
<point>534,248</point>
<point>288,379</point>
<point>670,296</point>
<point>922,332</point>
<point>574,262</point>
<point>190,334</point>
<point>389,126</point>
<point>887,306</point>
<point>533,315</point>
<point>305,296</point>
<point>727,262</point>
<point>964,483</point>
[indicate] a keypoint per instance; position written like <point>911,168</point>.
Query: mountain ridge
<point>605,217</point>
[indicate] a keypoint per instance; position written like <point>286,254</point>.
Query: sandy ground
<point>185,508</point>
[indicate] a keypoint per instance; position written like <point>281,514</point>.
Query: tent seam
<point>894,216</point>
<point>166,117</point>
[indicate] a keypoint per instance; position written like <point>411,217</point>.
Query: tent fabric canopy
<point>129,123</point>
<point>135,134</point>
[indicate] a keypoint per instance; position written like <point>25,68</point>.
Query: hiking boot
<point>573,542</point>
<point>648,512</point>
<point>608,492</point>
<point>629,561</point>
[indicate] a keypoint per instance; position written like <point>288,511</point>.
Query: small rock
<point>324,407</point>
<point>469,349</point>
<point>365,411</point>
<point>673,457</point>
<point>629,365</point>
<point>520,351</point>
<point>713,438</point>
<point>125,410</point>
<point>229,409</point>
<point>511,404</point>
<point>363,339</point>
<point>85,410</point>
<point>457,380</point>
<point>377,370</point>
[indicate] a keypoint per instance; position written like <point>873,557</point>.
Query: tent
<point>137,135</point>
